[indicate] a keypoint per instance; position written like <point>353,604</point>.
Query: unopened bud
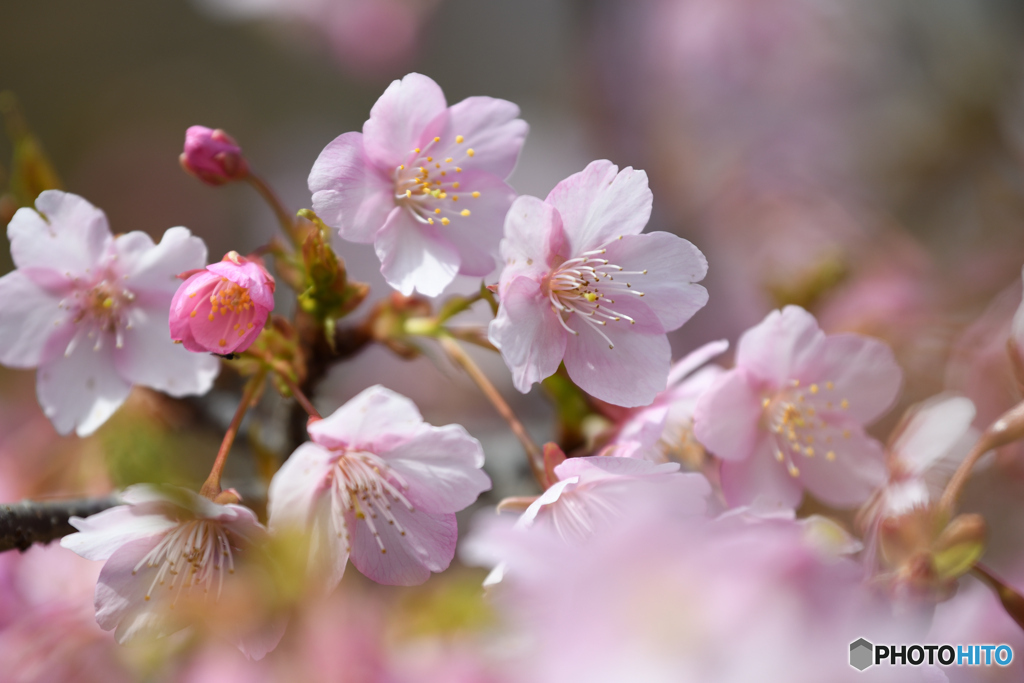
<point>213,156</point>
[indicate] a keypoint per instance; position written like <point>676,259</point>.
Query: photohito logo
<point>863,654</point>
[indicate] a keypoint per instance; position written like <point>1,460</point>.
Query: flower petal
<point>121,604</point>
<point>727,416</point>
<point>696,358</point>
<point>296,488</point>
<point>428,545</point>
<point>630,374</point>
<point>760,479</point>
<point>533,232</point>
<point>350,194</point>
<point>101,534</point>
<point>441,466</point>
<point>376,420</point>
<point>778,346</point>
<point>670,265</point>
<point>399,118</point>
<point>328,545</point>
<point>72,238</point>
<point>28,318</point>
<point>415,256</point>
<point>154,268</point>
<point>149,357</point>
<point>492,129</point>
<point>849,479</point>
<point>600,203</point>
<point>932,430</point>
<point>863,370</point>
<point>527,331</point>
<point>81,390</point>
<point>486,198</point>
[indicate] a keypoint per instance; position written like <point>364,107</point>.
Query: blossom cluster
<point>714,509</point>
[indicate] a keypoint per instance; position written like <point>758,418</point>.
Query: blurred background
<point>861,158</point>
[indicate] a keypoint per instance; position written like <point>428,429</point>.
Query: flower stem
<point>461,358</point>
<point>1007,429</point>
<point>271,198</point>
<point>211,488</point>
<point>300,397</point>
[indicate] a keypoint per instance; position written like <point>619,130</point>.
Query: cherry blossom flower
<point>424,182</point>
<point>581,284</point>
<point>163,548</point>
<point>378,484</point>
<point>213,156</point>
<point>223,308</point>
<point>664,430</point>
<point>90,311</point>
<point>791,414</point>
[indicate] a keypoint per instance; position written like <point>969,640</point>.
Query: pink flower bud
<point>223,308</point>
<point>213,156</point>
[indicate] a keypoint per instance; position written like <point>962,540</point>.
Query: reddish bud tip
<point>213,156</point>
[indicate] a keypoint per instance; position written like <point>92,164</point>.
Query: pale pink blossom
<point>379,485</point>
<point>213,156</point>
<point>223,308</point>
<point>790,416</point>
<point>423,182</point>
<point>583,286</point>
<point>664,429</point>
<point>90,311</point>
<point>166,548</point>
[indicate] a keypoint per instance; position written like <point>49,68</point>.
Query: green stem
<point>283,215</point>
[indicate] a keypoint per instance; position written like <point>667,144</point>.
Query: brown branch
<point>28,522</point>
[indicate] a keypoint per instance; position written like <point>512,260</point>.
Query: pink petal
<point>778,347</point>
<point>328,549</point>
<point>477,235</point>
<point>696,358</point>
<point>255,645</point>
<point>532,229</point>
<point>672,265</point>
<point>154,268</point>
<point>350,194</point>
<point>858,469</point>
<point>79,392</point>
<point>415,256</point>
<point>594,468</point>
<point>103,533</point>
<point>527,331</point>
<point>150,358</point>
<point>550,496</point>
<point>727,417</point>
<point>441,465</point>
<point>427,546</point>
<point>296,488</point>
<point>863,370</point>
<point>492,129</point>
<point>376,420</point>
<point>28,317</point>
<point>121,603</point>
<point>399,118</point>
<point>599,204</point>
<point>932,430</point>
<point>631,374</point>
<point>72,238</point>
<point>760,479</point>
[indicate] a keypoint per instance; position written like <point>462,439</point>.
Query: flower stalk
<point>211,488</point>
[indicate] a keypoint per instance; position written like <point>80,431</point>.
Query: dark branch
<point>28,522</point>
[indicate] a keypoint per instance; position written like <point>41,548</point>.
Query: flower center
<point>427,183</point>
<point>794,417</point>
<point>194,553</point>
<point>586,286</point>
<point>366,485</point>
<point>99,309</point>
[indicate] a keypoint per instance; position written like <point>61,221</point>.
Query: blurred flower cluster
<point>723,458</point>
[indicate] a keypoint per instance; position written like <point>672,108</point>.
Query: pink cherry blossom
<point>664,429</point>
<point>163,548</point>
<point>423,182</point>
<point>223,308</point>
<point>583,286</point>
<point>790,416</point>
<point>213,156</point>
<point>379,484</point>
<point>90,311</point>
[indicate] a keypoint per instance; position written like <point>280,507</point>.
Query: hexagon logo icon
<point>861,654</point>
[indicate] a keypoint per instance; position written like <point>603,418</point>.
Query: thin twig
<point>212,485</point>
<point>300,397</point>
<point>459,355</point>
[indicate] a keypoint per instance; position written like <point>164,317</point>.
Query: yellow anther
<point>437,210</point>
<point>210,317</point>
<point>829,385</point>
<point>465,212</point>
<point>437,139</point>
<point>794,471</point>
<point>476,195</point>
<point>459,139</point>
<point>765,402</point>
<point>417,150</point>
<point>470,152</point>
<point>249,326</point>
<point>445,221</point>
<point>846,433</point>
<point>408,193</point>
<point>236,326</point>
<point>108,303</point>
<point>430,159</point>
<point>844,404</point>
<point>779,456</point>
<point>455,185</point>
<point>458,170</point>
<point>443,195</point>
<point>831,455</point>
<point>448,160</point>
<point>455,197</point>
<point>430,220</point>
<point>223,342</point>
<point>814,388</point>
<point>401,167</point>
<point>589,296</point>
<point>809,452</point>
<point>795,382</point>
<point>192,295</point>
<point>444,172</point>
<point>192,314</point>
